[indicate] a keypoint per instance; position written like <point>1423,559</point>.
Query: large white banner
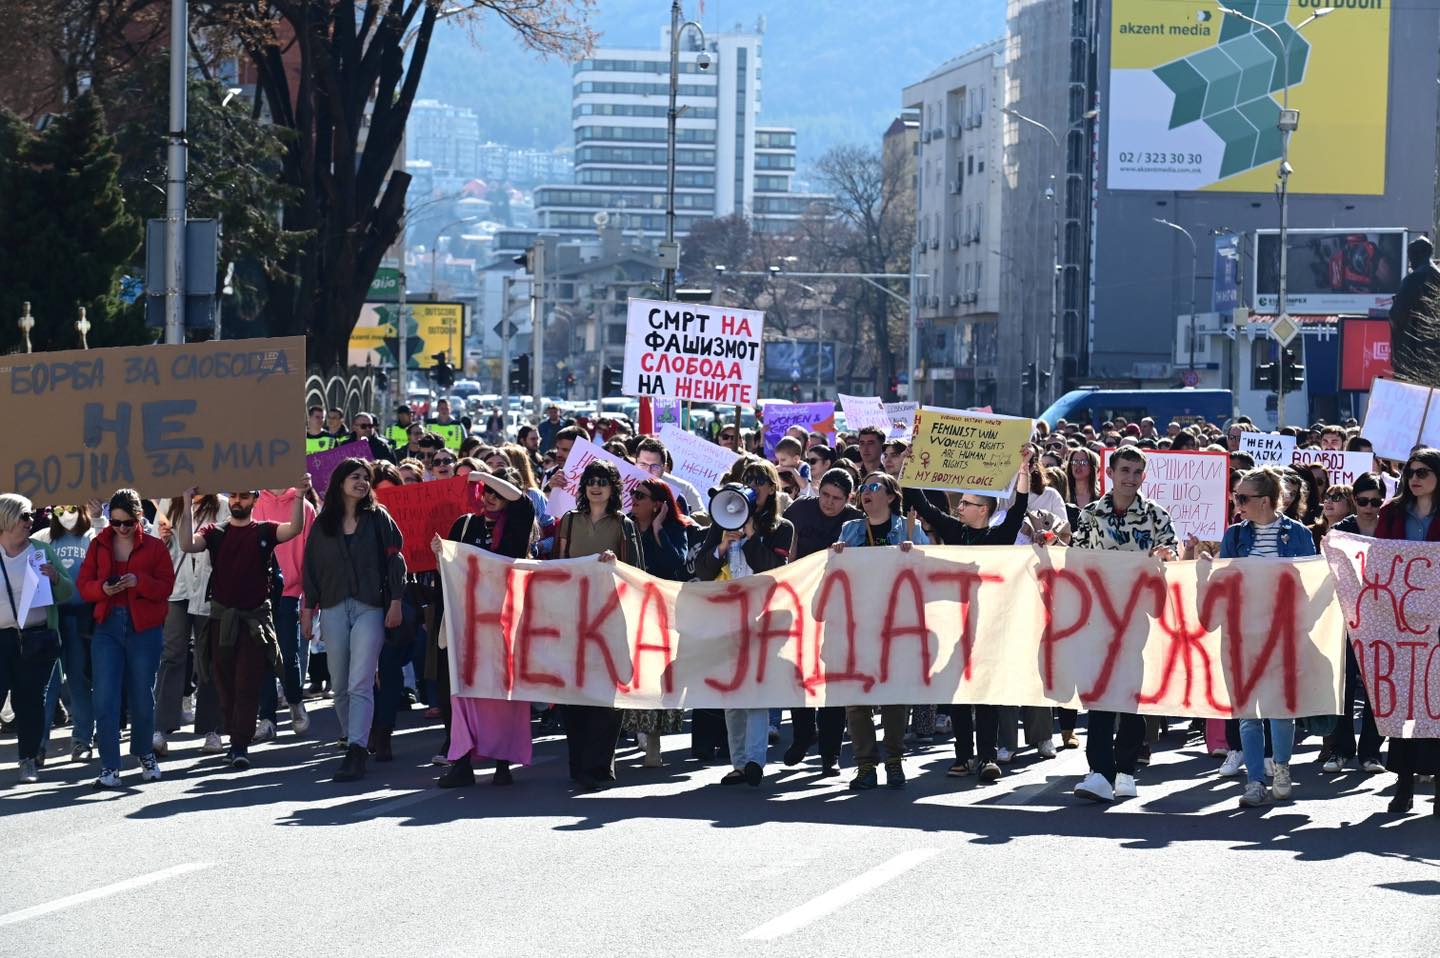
<point>1012,625</point>
<point>1400,417</point>
<point>691,351</point>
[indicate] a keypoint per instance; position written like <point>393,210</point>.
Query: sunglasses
<point>1242,498</point>
<point>1369,502</point>
<point>1336,497</point>
<point>873,487</point>
<point>123,523</point>
<point>814,460</point>
<point>1419,472</point>
<point>65,510</point>
<point>27,517</point>
<point>597,481</point>
<point>758,479</point>
<point>447,461</point>
<point>638,496</point>
<point>727,436</point>
<point>364,425</point>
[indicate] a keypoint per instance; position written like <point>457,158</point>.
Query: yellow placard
<point>1195,96</point>
<point>965,451</point>
<point>434,328</point>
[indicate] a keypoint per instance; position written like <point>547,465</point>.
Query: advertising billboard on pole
<point>432,327</point>
<point>1328,272</point>
<point>1195,96</point>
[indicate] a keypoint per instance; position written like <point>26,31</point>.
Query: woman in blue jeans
<point>1263,531</point>
<point>128,576</point>
<point>70,532</point>
<point>354,574</point>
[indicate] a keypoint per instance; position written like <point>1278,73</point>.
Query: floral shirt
<point>1141,528</point>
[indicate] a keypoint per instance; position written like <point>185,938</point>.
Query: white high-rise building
<point>725,161</point>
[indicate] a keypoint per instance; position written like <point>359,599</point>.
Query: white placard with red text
<point>692,351</point>
<point>582,453</point>
<point>1194,487</point>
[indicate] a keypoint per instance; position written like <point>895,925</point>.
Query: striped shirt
<point>1267,539</point>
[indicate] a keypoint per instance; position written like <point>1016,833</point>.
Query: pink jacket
<point>276,508</point>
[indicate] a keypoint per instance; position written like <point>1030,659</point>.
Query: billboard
<point>1195,96</point>
<point>1364,352</point>
<point>795,361</point>
<point>432,328</point>
<point>1328,271</point>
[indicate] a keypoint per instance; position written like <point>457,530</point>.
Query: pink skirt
<point>492,729</point>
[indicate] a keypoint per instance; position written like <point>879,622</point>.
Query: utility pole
<point>402,371</point>
<point>505,285</point>
<point>670,250</point>
<point>175,168</point>
<point>537,323</point>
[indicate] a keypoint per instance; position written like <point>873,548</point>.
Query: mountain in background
<point>833,69</point>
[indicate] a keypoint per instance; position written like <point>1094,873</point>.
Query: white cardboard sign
<point>692,351</point>
<point>1268,448</point>
<point>582,453</point>
<point>698,461</point>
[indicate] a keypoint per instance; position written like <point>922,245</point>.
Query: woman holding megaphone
<point>747,536</point>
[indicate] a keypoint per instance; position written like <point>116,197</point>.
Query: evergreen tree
<point>67,235</point>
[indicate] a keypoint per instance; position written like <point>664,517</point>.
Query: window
<point>645,89</point>
<point>642,156</point>
<point>970,163</point>
<point>774,140</point>
<point>647,134</point>
<point>642,178</point>
<point>774,161</point>
<point>772,184</point>
<point>635,109</point>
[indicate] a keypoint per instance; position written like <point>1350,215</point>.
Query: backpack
<point>267,553</point>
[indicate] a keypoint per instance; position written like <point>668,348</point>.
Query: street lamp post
<point>1289,122</point>
<point>435,250</point>
<point>670,252</point>
<point>1054,196</point>
<point>1194,272</point>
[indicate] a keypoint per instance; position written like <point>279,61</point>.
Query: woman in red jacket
<point>128,576</point>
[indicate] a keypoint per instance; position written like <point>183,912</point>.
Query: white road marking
<point>104,891</point>
<point>840,896</point>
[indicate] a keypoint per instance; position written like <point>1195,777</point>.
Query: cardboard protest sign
<point>321,464</point>
<point>1009,625</point>
<point>1268,448</point>
<point>902,418</point>
<point>692,351</point>
<point>1194,487</point>
<point>964,451</point>
<point>698,461</point>
<point>1343,467</point>
<point>865,412</point>
<point>1390,592</point>
<point>811,416</point>
<point>217,416</point>
<point>582,453</point>
<point>424,510</point>
<point>1400,417</point>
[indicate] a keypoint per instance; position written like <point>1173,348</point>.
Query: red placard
<point>1364,352</point>
<point>423,510</point>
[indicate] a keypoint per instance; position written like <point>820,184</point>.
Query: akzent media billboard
<point>432,328</point>
<point>1196,94</point>
<point>1328,271</point>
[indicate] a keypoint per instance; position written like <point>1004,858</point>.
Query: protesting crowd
<point>208,621</point>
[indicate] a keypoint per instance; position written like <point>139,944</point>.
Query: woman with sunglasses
<point>488,729</point>
<point>1368,495</point>
<point>1414,515</point>
<point>28,660</point>
<point>766,542</point>
<point>977,727</point>
<point>128,576</point>
<point>69,534</point>
<point>1337,503</point>
<point>595,527</point>
<point>1264,531</point>
<point>354,572</point>
<point>667,539</point>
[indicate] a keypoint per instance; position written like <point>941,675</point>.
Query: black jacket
<point>814,530</point>
<point>952,532</point>
<point>763,551</point>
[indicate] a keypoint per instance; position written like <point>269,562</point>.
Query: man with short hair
<point>564,439</point>
<point>240,648</point>
<point>652,456</point>
<point>451,431</point>
<point>550,426</point>
<point>364,429</point>
<point>1147,428</point>
<point>335,425</point>
<point>1332,438</point>
<point>398,434</point>
<point>872,448</point>
<point>1171,429</point>
<point>316,438</point>
<point>1121,520</point>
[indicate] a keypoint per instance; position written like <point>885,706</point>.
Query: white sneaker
<point>1269,768</point>
<point>1234,762</point>
<point>299,718</point>
<point>158,744</point>
<point>187,710</point>
<point>1334,764</point>
<point>264,731</point>
<point>109,778</point>
<point>149,769</point>
<point>1004,756</point>
<point>1125,786</point>
<point>1372,766</point>
<point>1280,788</point>
<point>213,745</point>
<point>1047,749</point>
<point>1096,788</point>
<point>29,771</point>
<point>1256,794</point>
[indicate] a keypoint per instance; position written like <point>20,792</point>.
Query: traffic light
<point>1044,379</point>
<point>442,372</point>
<point>610,381</point>
<point>520,375</point>
<point>1027,377</point>
<point>1266,379</point>
<point>1294,372</point>
<point>381,381</point>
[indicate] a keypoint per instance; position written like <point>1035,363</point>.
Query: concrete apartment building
<point>958,195</point>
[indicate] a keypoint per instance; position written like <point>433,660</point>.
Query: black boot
<point>502,774</point>
<point>459,774</point>
<point>1404,794</point>
<point>380,744</point>
<point>352,766</point>
<point>1435,805</point>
